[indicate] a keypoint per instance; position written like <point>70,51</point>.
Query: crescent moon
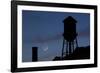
<point>46,48</point>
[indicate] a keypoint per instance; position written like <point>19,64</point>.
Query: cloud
<point>39,39</point>
<point>83,34</point>
<point>46,39</point>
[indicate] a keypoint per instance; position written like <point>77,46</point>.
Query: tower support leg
<point>63,47</point>
<point>69,47</point>
<point>76,43</point>
<point>67,50</point>
<point>72,46</point>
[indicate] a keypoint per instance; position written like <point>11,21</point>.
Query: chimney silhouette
<point>34,54</point>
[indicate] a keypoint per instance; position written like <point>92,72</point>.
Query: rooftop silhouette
<point>79,53</point>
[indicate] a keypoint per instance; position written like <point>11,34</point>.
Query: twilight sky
<point>44,30</point>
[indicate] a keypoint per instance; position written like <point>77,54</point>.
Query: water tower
<point>69,36</point>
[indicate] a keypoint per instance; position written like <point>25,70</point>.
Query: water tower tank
<point>69,28</point>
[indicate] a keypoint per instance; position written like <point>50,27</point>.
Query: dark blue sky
<point>45,29</point>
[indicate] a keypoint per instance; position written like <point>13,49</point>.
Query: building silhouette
<point>78,54</point>
<point>34,54</point>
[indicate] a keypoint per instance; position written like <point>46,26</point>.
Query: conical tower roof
<point>69,19</point>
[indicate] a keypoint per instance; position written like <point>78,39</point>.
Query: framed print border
<point>14,33</point>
